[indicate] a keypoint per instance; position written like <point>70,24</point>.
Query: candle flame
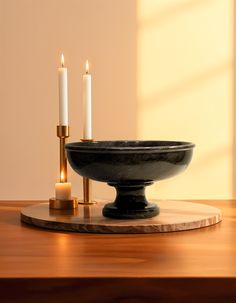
<point>87,67</point>
<point>62,179</point>
<point>62,60</point>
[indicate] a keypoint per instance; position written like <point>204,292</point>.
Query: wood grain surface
<point>197,265</point>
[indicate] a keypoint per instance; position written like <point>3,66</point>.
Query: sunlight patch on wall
<point>184,66</point>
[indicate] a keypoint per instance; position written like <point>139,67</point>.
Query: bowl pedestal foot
<point>130,202</point>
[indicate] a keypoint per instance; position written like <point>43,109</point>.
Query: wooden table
<point>46,266</point>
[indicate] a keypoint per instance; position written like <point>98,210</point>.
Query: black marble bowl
<point>129,166</point>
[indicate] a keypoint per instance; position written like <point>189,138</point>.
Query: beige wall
<point>161,70</point>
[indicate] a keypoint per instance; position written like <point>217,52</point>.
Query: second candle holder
<point>87,186</point>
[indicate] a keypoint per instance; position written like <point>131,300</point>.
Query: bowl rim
<point>93,146</point>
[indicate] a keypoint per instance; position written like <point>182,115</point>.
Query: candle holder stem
<point>86,190</point>
<point>87,186</point>
<point>63,161</point>
<point>63,133</point>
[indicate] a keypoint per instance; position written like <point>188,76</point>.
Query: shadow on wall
<point>184,81</point>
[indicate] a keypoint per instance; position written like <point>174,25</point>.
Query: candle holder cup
<point>129,166</point>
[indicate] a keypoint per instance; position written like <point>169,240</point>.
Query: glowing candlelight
<point>63,189</point>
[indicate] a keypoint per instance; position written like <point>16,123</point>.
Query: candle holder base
<point>63,204</point>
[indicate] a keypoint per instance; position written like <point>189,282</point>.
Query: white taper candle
<point>87,104</point>
<point>63,93</point>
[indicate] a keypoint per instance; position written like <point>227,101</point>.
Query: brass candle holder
<point>87,186</point>
<point>62,134</point>
<point>62,204</point>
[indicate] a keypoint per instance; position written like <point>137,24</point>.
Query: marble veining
<point>174,216</point>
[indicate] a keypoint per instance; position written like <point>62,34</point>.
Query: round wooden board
<point>174,216</point>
